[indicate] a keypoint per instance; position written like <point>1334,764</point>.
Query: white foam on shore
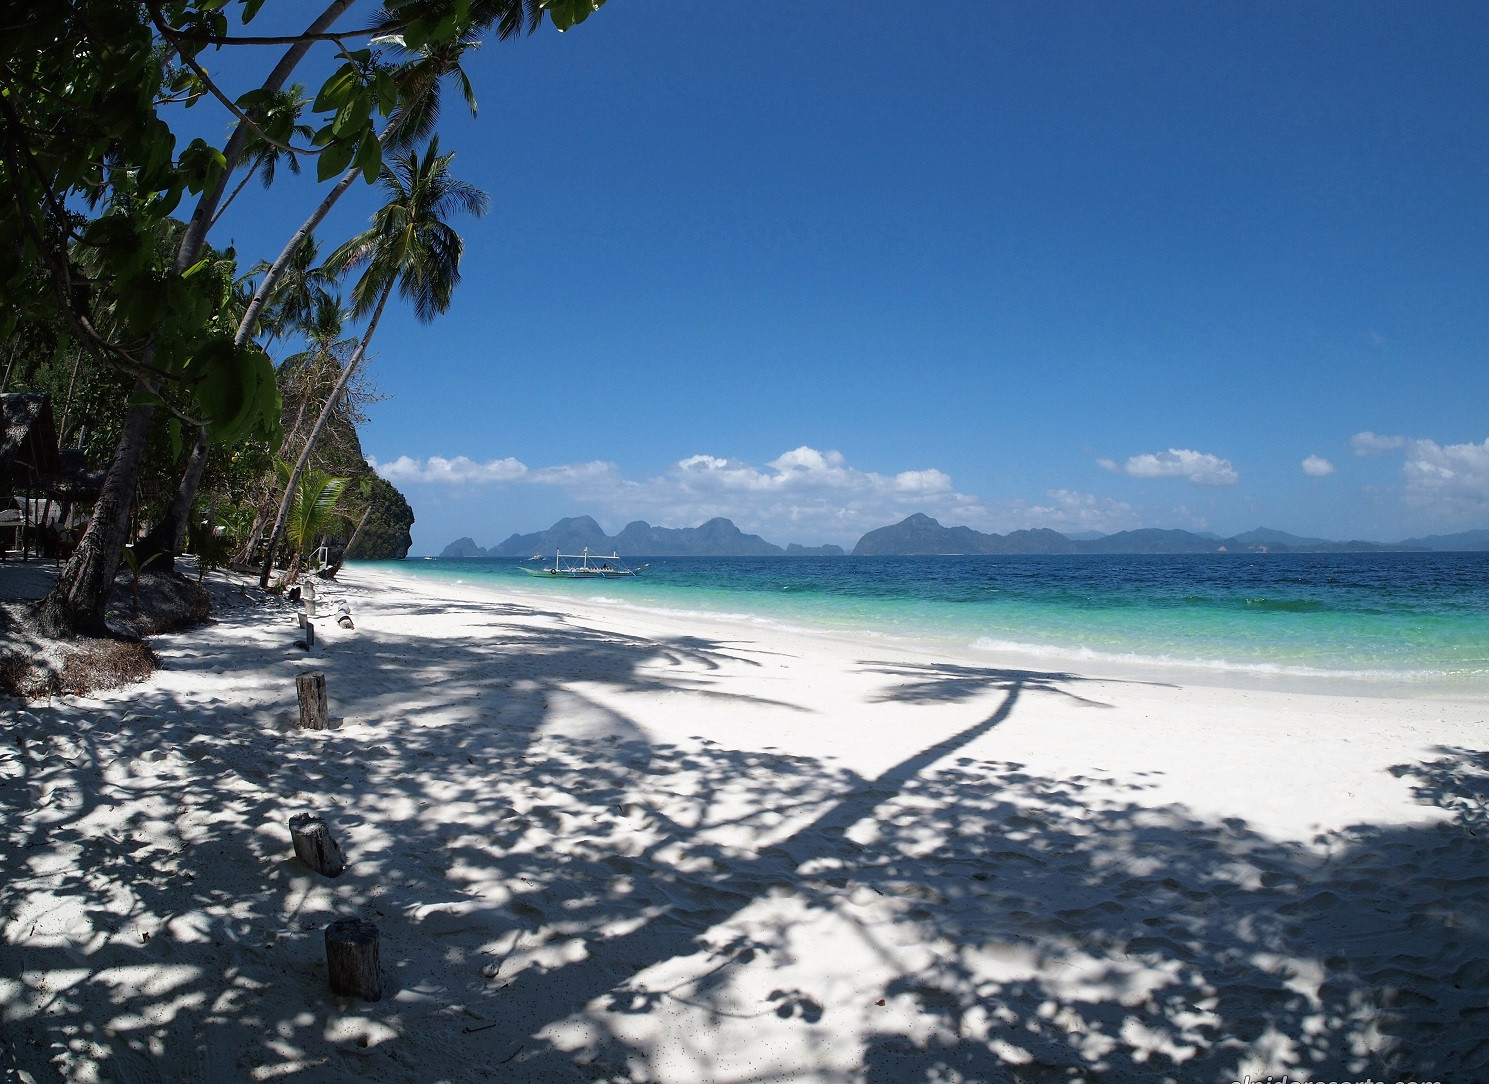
<point>1460,681</point>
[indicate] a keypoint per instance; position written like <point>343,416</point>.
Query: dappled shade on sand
<point>564,895</point>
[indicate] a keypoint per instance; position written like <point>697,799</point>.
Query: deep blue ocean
<point>1412,619</point>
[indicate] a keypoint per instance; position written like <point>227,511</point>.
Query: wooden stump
<point>309,635</point>
<point>352,959</point>
<point>312,690</point>
<point>344,618</point>
<point>315,846</point>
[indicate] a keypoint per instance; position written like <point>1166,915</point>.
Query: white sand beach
<point>602,844</point>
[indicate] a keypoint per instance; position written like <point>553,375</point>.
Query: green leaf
<point>334,159</point>
<point>416,35</point>
<point>353,114</point>
<point>335,90</point>
<point>250,9</point>
<point>386,88</point>
<point>370,158</point>
<point>567,13</point>
<point>200,165</point>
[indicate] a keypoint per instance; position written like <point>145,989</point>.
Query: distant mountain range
<point>920,534</point>
<point>716,538</point>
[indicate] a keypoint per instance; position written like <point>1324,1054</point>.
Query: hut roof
<point>28,438</point>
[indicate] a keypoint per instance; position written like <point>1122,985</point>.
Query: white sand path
<point>603,844</point>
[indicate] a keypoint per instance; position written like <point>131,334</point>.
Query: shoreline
<point>980,651</point>
<point>603,844</point>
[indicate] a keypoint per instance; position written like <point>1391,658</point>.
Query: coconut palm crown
<point>410,243</point>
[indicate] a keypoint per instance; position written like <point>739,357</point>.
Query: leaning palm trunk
<point>287,501</point>
<point>276,272</point>
<point>335,565</point>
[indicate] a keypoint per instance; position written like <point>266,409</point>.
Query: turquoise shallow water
<point>1419,619</point>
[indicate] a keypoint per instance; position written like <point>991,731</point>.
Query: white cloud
<point>1064,510</point>
<point>1200,468</point>
<point>1368,443</point>
<point>1451,479</point>
<point>457,472</point>
<point>804,495</point>
<point>575,474</point>
<point>1316,466</point>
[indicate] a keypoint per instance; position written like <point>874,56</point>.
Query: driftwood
<point>344,617</point>
<point>311,688</point>
<point>315,846</point>
<point>352,959</point>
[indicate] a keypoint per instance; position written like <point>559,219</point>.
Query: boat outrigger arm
<point>590,566</point>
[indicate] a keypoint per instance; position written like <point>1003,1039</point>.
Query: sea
<point>1382,623</point>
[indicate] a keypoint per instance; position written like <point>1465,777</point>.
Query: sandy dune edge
<point>605,845</point>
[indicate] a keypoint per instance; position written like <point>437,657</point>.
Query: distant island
<point>920,535</point>
<point>717,538</point>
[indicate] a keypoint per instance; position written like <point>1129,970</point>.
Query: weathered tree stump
<point>301,615</point>
<point>352,959</point>
<point>312,690</point>
<point>307,595</point>
<point>344,617</point>
<point>309,635</point>
<point>315,846</point>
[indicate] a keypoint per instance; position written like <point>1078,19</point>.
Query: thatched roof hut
<point>28,439</point>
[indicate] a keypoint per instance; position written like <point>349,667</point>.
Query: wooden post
<point>312,690</point>
<point>352,959</point>
<point>309,635</point>
<point>315,846</point>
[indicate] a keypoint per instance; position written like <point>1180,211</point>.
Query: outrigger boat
<point>591,566</point>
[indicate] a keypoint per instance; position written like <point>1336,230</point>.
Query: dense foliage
<point>182,375</point>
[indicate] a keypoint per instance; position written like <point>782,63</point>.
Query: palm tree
<point>313,511</point>
<point>282,118</point>
<point>411,247</point>
<point>419,82</point>
<point>304,299</point>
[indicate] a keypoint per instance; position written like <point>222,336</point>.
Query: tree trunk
<point>276,272</point>
<point>350,542</point>
<point>168,537</point>
<point>310,689</point>
<point>78,601</point>
<point>353,962</point>
<point>315,845</point>
<point>315,431</point>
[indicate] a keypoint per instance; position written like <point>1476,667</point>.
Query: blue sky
<point>1085,266</point>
